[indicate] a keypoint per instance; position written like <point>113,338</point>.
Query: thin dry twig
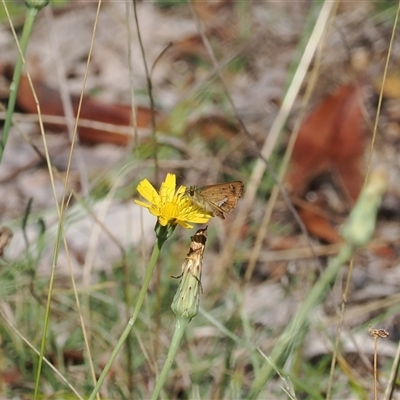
<point>376,334</point>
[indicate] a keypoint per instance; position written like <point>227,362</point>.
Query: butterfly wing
<point>222,197</point>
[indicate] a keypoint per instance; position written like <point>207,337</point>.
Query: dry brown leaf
<point>330,139</point>
<point>92,110</point>
<point>319,226</point>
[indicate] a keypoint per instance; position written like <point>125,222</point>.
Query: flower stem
<point>142,294</point>
<point>31,13</point>
<point>180,326</point>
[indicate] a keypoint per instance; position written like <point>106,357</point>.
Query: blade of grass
<point>51,366</point>
<point>31,13</point>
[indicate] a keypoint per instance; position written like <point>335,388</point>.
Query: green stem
<point>142,294</point>
<point>297,329</point>
<point>60,232</point>
<point>180,326</point>
<point>31,13</point>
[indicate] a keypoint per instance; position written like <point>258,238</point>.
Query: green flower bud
<point>187,298</point>
<point>359,228</point>
<point>37,4</point>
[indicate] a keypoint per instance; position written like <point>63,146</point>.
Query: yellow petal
<point>154,211</point>
<point>170,211</point>
<point>184,224</point>
<point>142,203</point>
<point>146,190</point>
<point>167,190</point>
<point>162,220</point>
<point>200,219</point>
<point>181,190</point>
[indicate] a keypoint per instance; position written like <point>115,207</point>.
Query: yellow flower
<point>170,206</point>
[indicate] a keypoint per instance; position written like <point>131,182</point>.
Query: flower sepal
<point>164,232</point>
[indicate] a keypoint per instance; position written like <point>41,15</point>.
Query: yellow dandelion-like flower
<point>169,205</point>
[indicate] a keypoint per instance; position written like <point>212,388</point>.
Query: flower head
<point>170,205</point>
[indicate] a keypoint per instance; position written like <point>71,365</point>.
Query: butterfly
<point>216,199</point>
